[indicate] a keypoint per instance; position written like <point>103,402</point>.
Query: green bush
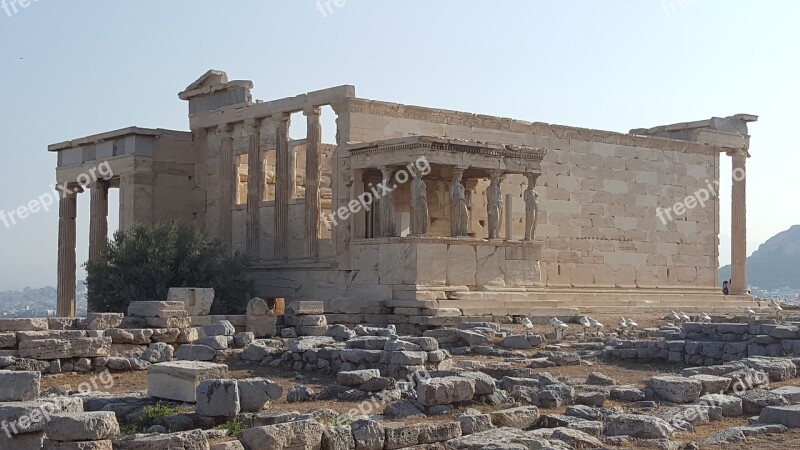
<point>144,262</point>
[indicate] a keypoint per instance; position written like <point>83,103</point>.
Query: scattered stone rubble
<point>387,377</point>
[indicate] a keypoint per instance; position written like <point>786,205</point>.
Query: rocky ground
<point>559,392</point>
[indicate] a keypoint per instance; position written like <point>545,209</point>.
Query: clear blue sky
<point>71,69</point>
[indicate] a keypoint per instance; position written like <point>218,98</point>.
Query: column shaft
<point>98,224</point>
<point>227,184</point>
<point>313,143</point>
<point>738,225</point>
<point>65,297</point>
<point>255,189</point>
<point>284,186</point>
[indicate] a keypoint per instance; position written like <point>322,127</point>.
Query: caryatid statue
<point>531,198</point>
<point>459,213</point>
<point>419,206</point>
<point>494,197</point>
<point>387,227</point>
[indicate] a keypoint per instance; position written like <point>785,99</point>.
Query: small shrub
<point>160,410</point>
<point>233,427</point>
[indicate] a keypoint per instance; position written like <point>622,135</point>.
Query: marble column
<point>284,185</point>
<point>313,143</point>
<point>738,223</point>
<point>494,198</point>
<point>67,213</point>
<point>255,189</point>
<point>98,223</point>
<point>228,183</point>
<point>388,227</point>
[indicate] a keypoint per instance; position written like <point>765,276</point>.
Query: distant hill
<point>776,263</point>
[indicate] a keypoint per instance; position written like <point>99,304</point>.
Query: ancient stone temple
<point>422,212</point>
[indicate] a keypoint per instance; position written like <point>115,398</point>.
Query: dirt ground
<point>624,372</point>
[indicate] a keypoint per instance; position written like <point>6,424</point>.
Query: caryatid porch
<point>438,209</point>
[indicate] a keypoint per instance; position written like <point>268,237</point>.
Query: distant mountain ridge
<point>776,263</point>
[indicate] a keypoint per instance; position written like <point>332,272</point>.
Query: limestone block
<point>23,324</point>
<point>218,398</point>
<point>713,384</point>
<point>194,352</point>
<point>260,320</point>
<point>676,389</point>
<point>28,417</point>
<point>187,440</point>
<point>254,393</point>
<point>638,426</point>
<point>27,441</point>
<point>178,380</point>
<point>219,328</point>
<point>158,352</point>
<point>82,426</point>
<point>523,417</point>
<point>19,386</point>
<point>431,264</point>
<point>303,434</point>
<point>445,390</point>
<point>789,416</point>
<point>305,308</point>
<point>65,348</point>
<point>103,321</point>
<point>8,340</point>
<point>490,259</point>
<point>157,309</point>
<point>197,301</point>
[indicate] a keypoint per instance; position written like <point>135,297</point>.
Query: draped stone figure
<point>387,227</point>
<point>531,198</point>
<point>459,213</point>
<point>419,206</point>
<point>494,197</point>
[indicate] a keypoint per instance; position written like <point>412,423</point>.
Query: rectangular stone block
<point>65,348</point>
<point>23,336</point>
<point>29,417</point>
<point>8,340</point>
<point>157,309</point>
<point>19,386</point>
<point>23,324</point>
<point>198,301</point>
<point>305,309</point>
<point>178,380</point>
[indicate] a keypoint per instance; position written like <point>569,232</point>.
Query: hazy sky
<point>70,69</point>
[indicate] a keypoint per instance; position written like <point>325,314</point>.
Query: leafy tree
<point>142,263</point>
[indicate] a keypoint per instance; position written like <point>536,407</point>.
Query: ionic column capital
<point>224,128</point>
<point>312,111</point>
<point>253,125</point>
